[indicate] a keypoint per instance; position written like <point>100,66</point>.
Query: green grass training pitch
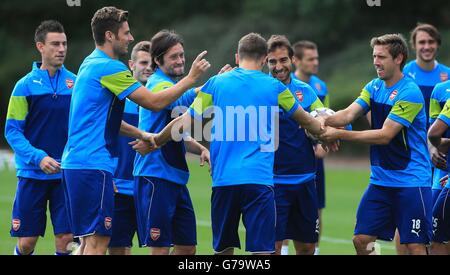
<point>344,190</point>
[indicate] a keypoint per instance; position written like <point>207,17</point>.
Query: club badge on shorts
<point>155,233</point>
<point>108,223</point>
<point>15,224</point>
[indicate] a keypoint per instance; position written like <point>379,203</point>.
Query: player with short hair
<point>399,194</point>
<point>295,162</point>
<point>306,61</point>
<point>36,129</point>
<point>242,159</point>
<point>124,205</point>
<point>427,72</point>
<point>165,212</point>
<point>441,210</point>
<point>95,121</point>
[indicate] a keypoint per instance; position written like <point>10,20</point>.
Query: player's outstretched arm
<point>305,120</point>
<point>345,117</point>
<point>158,101</point>
<point>381,136</point>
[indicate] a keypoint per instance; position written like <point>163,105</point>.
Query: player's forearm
<point>340,119</point>
<point>130,131</point>
<point>192,146</point>
<point>22,147</point>
<point>306,121</point>
<point>372,137</point>
<point>161,100</point>
<point>174,130</point>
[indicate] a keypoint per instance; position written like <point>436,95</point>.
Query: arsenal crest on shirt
<point>299,95</point>
<point>393,95</point>
<point>69,83</point>
<point>444,77</point>
<point>318,87</point>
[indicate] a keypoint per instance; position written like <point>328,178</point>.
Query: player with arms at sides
<point>441,210</point>
<point>242,168</point>
<point>124,206</point>
<point>95,121</point>
<point>295,161</point>
<point>399,193</point>
<point>166,215</point>
<point>36,128</point>
<point>306,61</point>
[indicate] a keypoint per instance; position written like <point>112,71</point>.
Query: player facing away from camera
<point>36,129</point>
<point>427,72</point>
<point>399,193</point>
<point>306,61</point>
<point>125,225</point>
<point>242,149</point>
<point>441,210</point>
<point>95,121</point>
<point>166,215</point>
<point>295,162</point>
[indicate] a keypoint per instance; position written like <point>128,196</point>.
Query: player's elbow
<point>434,138</point>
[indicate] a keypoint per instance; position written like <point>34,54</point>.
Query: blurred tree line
<point>212,25</point>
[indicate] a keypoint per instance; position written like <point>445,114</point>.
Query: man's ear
<point>109,36</point>
<point>131,64</point>
<point>236,57</point>
<point>40,47</point>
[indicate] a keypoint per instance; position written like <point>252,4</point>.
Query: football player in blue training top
<point>399,193</point>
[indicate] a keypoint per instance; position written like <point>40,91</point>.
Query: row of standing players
<point>160,236</point>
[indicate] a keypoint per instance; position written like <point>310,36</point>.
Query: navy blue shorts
<point>297,212</point>
<point>441,217</point>
<point>256,203</point>
<point>165,214</point>
<point>29,215</point>
<point>90,201</point>
<point>125,225</point>
<point>383,209</point>
<point>320,183</point>
<point>435,194</point>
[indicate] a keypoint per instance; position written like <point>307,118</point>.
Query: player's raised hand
<point>50,166</point>
<point>199,66</point>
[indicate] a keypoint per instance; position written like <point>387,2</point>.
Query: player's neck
<point>250,65</point>
<point>426,65</point>
<point>51,69</point>
<point>395,78</point>
<point>303,77</point>
<point>108,50</point>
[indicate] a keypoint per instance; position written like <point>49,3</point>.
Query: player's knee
<point>27,245</point>
<point>361,242</point>
<point>416,249</point>
<point>186,250</point>
<point>305,249</point>
<point>63,242</point>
